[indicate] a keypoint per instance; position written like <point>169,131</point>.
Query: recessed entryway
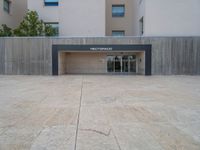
<point>101,59</point>
<point>101,63</point>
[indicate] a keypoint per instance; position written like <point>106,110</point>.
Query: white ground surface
<point>77,112</point>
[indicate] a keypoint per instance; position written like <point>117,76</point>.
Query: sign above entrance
<point>101,48</point>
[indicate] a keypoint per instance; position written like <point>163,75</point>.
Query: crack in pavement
<point>105,134</point>
<point>116,140</point>
<point>96,131</point>
<point>77,126</point>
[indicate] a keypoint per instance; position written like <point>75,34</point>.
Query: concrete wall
<point>75,17</point>
<point>18,9</point>
<point>126,23</point>
<point>170,55</point>
<point>141,63</point>
<point>28,56</point>
<point>171,17</point>
<point>92,63</point>
<point>85,63</point>
<point>62,63</point>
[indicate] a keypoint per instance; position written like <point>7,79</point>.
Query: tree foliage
<point>49,31</point>
<point>33,26</point>
<point>30,26</point>
<point>5,30</point>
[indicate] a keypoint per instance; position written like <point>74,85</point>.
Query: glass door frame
<point>121,63</point>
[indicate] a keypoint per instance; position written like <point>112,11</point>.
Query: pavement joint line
<point>77,126</point>
<point>117,142</point>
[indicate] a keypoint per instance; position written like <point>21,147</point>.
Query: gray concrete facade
<point>33,56</point>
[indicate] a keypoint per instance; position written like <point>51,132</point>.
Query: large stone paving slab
<point>99,112</point>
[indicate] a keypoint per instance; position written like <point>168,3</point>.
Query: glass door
<point>121,64</point>
<point>110,64</point>
<point>118,62</point>
<point>125,64</point>
<point>132,64</point>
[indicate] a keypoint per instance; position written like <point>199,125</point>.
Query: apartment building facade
<point>109,17</point>
<point>72,17</point>
<point>120,17</point>
<point>12,12</point>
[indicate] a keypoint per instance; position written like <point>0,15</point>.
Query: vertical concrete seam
<point>77,126</point>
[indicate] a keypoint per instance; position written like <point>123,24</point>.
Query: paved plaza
<point>99,112</point>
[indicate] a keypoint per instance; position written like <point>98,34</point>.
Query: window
<point>6,6</point>
<point>118,33</point>
<point>141,26</point>
<point>118,10</point>
<point>55,25</point>
<point>51,2</point>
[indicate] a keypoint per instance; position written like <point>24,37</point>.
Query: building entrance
<point>121,64</point>
<point>93,59</point>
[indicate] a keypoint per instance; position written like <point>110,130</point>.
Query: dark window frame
<point>51,23</point>
<point>141,21</point>
<point>122,31</point>
<point>8,3</point>
<point>50,3</point>
<point>118,15</point>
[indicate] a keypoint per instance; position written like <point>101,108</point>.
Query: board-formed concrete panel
<point>33,56</point>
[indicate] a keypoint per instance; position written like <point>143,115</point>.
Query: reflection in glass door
<point>110,63</point>
<point>118,63</point>
<point>121,64</point>
<point>132,63</point>
<point>125,64</point>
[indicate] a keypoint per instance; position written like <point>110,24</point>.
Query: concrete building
<point>120,17</point>
<point>12,12</point>
<point>97,37</point>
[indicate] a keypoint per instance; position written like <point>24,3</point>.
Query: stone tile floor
<point>99,112</point>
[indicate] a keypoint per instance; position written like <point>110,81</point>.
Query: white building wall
<point>75,17</point>
<point>46,13</point>
<point>172,18</point>
<point>18,9</point>
<point>136,17</point>
<point>88,17</point>
<point>139,12</point>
